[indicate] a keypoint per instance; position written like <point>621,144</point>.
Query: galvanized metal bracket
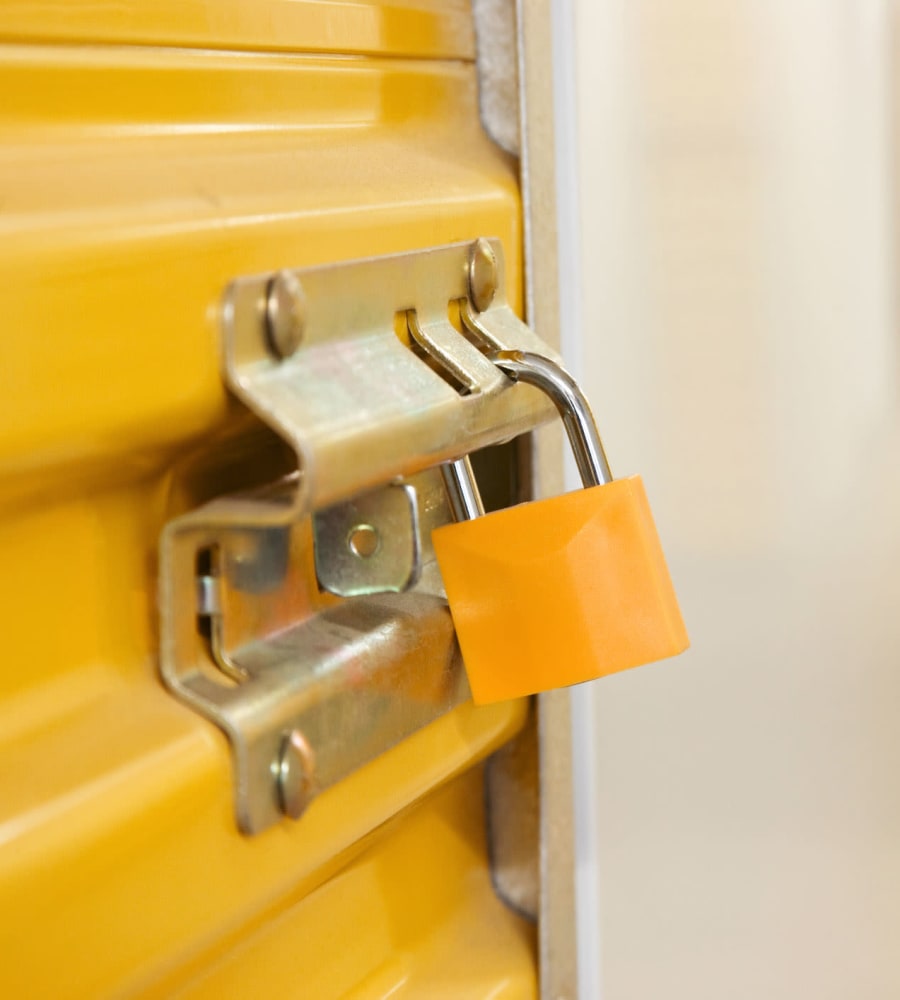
<point>374,372</point>
<point>371,544</point>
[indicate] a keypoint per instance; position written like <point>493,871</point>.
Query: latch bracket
<point>374,372</point>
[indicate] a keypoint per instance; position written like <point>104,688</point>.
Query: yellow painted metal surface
<point>383,27</point>
<point>415,917</point>
<point>135,183</point>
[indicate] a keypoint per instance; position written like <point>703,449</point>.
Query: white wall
<point>740,809</point>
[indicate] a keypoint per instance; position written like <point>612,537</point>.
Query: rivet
<point>285,314</point>
<point>482,274</point>
<point>295,774</point>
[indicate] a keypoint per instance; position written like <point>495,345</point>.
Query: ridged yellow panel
<point>136,182</point>
<point>415,917</point>
<point>430,28</point>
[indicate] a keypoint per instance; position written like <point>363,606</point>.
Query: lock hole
<point>363,541</point>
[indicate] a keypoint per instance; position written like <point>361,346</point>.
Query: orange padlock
<point>562,590</point>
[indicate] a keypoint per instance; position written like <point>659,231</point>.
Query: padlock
<point>563,590</point>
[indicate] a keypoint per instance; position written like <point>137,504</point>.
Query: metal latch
<point>307,619</point>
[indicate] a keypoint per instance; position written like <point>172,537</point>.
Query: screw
<point>295,774</point>
<point>482,274</point>
<point>285,314</point>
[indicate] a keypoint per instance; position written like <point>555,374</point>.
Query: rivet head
<point>295,774</point>
<point>285,318</point>
<point>482,274</point>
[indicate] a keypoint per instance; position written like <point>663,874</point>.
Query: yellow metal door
<point>151,153</point>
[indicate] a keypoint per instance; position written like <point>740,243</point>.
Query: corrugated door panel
<point>424,28</point>
<point>135,181</point>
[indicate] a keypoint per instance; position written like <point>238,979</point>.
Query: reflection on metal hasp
<point>374,372</point>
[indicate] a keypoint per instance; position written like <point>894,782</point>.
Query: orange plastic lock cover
<point>559,591</point>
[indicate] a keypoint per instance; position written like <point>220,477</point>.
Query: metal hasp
<point>306,619</point>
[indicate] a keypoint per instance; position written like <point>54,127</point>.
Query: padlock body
<point>559,591</point>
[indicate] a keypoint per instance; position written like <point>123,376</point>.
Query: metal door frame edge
<point>556,919</point>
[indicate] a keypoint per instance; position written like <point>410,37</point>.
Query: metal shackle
<point>573,407</point>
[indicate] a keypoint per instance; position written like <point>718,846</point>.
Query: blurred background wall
<point>739,825</point>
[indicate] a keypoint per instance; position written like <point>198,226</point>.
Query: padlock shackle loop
<point>462,489</point>
<point>558,384</point>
